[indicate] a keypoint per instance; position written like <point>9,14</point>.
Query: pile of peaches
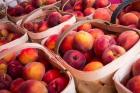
<point>29,71</point>
<point>26,7</point>
<point>89,48</point>
<point>82,8</point>
<point>131,13</point>
<point>50,20</point>
<point>6,35</point>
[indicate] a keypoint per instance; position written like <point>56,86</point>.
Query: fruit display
<point>130,13</point>
<point>30,70</point>
<point>24,7</point>
<point>11,35</point>
<point>91,48</point>
<point>86,8</point>
<point>46,22</point>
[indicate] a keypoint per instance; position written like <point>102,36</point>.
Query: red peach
<point>88,55</point>
<point>67,43</point>
<point>89,11</point>
<point>127,39</point>
<point>34,70</point>
<point>92,66</point>
<point>130,17</point>
<point>101,3</point>
<point>84,27</point>
<point>99,14</point>
<point>96,32</point>
<point>51,1</point>
<point>43,26</point>
<point>50,43</point>
<point>101,43</point>
<point>136,13</point>
<point>29,8</point>
<point>15,85</point>
<point>78,5</point>
<point>88,3</point>
<point>136,67</point>
<point>51,75</point>
<point>134,84</point>
<point>28,55</point>
<point>111,53</point>
<point>32,86</point>
<point>83,41</point>
<point>57,85</point>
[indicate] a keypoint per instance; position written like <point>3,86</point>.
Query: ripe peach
<point>4,91</point>
<point>127,39</point>
<point>15,85</point>
<point>32,86</point>
<point>42,26</point>
<point>75,59</point>
<point>54,19</point>
<point>50,43</point>
<point>101,43</point>
<point>96,32</point>
<point>136,13</point>
<point>51,75</point>
<point>88,3</point>
<point>67,43</point>
<point>130,17</point>
<point>101,3</point>
<point>28,55</point>
<point>57,85</point>
<point>29,8</point>
<point>78,5</point>
<point>92,66</point>
<point>111,53</point>
<point>136,67</point>
<point>10,57</point>
<point>15,69</point>
<point>134,84</point>
<point>89,11</point>
<point>83,41</point>
<point>84,27</point>
<point>99,14</point>
<point>64,18</point>
<point>51,1</point>
<point>89,55</point>
<point>34,70</point>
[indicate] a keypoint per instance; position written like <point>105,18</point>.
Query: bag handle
<point>120,8</point>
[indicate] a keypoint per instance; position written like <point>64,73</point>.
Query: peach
<point>4,91</point>
<point>101,43</point>
<point>96,32</point>
<point>54,19</point>
<point>10,57</point>
<point>89,55</point>
<point>34,70</point>
<point>92,66</point>
<point>127,39</point>
<point>111,53</point>
<point>67,43</point>
<point>88,3</point>
<point>99,14</point>
<point>50,43</point>
<point>29,8</point>
<point>15,69</point>
<point>51,75</point>
<point>5,81</point>
<point>89,11</point>
<point>136,67</point>
<point>83,41</point>
<point>136,13</point>
<point>57,85</point>
<point>84,27</point>
<point>28,55</point>
<point>29,26</point>
<point>78,5</point>
<point>130,17</point>
<point>32,86</point>
<point>75,59</point>
<point>43,26</point>
<point>15,85</point>
<point>134,84</point>
<point>64,18</point>
<point>101,3</point>
<point>3,67</point>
